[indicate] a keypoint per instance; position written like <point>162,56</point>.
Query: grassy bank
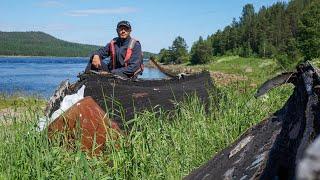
<point>18,101</point>
<point>166,146</point>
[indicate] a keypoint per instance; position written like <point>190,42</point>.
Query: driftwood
<point>57,97</point>
<point>273,148</point>
<point>172,75</point>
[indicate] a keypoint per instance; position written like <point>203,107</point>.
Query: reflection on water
<point>39,75</point>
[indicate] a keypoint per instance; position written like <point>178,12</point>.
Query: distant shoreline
<point>4,56</point>
<point>41,56</point>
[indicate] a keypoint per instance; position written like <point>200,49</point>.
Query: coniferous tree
<point>309,31</point>
<point>165,56</point>
<point>176,54</point>
<point>201,52</point>
<point>179,50</point>
<point>271,32</point>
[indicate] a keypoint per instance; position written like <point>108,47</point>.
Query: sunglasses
<point>123,28</point>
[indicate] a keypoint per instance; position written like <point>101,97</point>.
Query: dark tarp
<point>273,148</point>
<point>132,96</point>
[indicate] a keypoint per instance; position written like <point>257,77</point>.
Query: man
<point>125,55</point>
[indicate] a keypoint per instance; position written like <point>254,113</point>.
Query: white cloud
<point>57,27</point>
<point>87,12</point>
<point>37,27</point>
<point>51,4</point>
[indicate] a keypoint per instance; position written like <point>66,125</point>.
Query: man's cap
<point>124,23</point>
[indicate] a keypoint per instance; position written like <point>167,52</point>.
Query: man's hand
<point>104,73</point>
<point>96,61</point>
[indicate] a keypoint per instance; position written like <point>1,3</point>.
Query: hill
<point>41,44</point>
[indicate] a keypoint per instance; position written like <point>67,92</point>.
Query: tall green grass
<point>160,145</point>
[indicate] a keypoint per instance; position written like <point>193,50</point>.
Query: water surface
<point>41,75</point>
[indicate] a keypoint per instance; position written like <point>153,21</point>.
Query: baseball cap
<point>124,23</point>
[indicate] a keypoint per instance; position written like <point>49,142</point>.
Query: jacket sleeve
<point>134,62</point>
<point>102,53</point>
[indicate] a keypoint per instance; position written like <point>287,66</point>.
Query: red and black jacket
<point>125,57</point>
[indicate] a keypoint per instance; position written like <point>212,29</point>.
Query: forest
<point>288,32</point>
<point>40,44</point>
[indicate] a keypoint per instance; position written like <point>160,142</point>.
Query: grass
<point>256,70</point>
<point>163,146</point>
<point>18,101</point>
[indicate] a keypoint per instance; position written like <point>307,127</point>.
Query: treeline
<point>42,44</point>
<point>285,31</point>
<point>147,55</point>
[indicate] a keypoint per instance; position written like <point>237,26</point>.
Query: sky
<point>154,23</point>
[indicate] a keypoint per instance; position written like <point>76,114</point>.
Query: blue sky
<point>155,23</point>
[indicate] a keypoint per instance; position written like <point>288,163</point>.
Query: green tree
<point>201,52</point>
<point>245,50</point>
<point>234,36</point>
<point>292,50</point>
<point>177,53</point>
<point>165,56</point>
<point>179,50</point>
<point>248,24</point>
<point>309,31</point>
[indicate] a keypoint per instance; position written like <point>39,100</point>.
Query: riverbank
<point>232,69</point>
<point>12,106</point>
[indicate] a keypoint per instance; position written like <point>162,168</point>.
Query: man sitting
<point>126,59</point>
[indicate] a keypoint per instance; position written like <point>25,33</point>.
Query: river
<point>41,75</point>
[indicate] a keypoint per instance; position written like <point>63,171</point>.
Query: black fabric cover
<point>125,97</point>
